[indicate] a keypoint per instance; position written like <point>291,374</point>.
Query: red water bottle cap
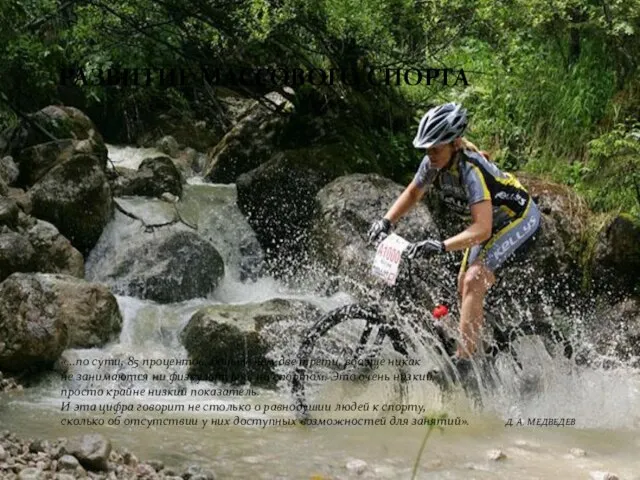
<point>440,311</point>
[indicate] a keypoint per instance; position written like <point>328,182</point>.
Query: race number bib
<point>387,259</point>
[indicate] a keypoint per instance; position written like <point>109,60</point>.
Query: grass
<point>428,433</point>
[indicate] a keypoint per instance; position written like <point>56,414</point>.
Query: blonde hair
<point>467,145</point>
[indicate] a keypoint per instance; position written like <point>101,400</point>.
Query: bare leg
<point>475,284</point>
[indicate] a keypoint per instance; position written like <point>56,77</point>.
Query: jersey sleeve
<point>425,174</point>
<point>475,185</point>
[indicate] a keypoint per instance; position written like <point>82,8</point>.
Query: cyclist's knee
<point>478,279</point>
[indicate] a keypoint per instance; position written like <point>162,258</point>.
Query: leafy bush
<point>611,178</point>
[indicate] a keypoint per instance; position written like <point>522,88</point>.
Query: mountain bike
<point>353,340</point>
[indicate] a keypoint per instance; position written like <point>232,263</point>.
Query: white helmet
<point>441,124</point>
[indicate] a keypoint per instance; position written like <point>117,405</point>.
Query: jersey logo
<point>515,197</point>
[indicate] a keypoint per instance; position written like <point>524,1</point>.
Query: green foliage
<point>552,82</point>
<point>431,426</point>
<point>611,179</point>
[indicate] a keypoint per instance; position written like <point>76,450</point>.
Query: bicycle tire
<point>372,318</point>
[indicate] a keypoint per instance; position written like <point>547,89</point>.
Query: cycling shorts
<point>504,242</point>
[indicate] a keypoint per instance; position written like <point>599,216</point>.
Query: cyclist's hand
<point>424,248</point>
<point>379,228</point>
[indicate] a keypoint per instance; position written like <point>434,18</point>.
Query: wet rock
<point>37,446</point>
<point>496,455</point>
<point>168,145</point>
<point>615,259</point>
<point>248,144</point>
<point>347,208</point>
<point>90,309</point>
<point>356,466</point>
<point>3,453</point>
<point>4,188</point>
<point>16,254</point>
<point>40,314</point>
<point>53,252</point>
<point>167,264</point>
<point>61,122</point>
<point>8,170</point>
<point>225,342</point>
<point>68,462</point>
<point>154,177</point>
<point>75,197</point>
<point>8,212</point>
<point>37,160</point>
<point>91,450</point>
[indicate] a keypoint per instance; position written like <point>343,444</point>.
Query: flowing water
<point>605,404</point>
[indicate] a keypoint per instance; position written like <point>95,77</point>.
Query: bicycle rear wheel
<point>348,344</point>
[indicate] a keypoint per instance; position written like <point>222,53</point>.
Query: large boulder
<point>69,131</point>
<point>33,333</point>
<point>31,245</point>
<point>75,197</point>
<point>150,254</point>
<point>615,255</point>
<point>154,177</point>
<point>565,213</point>
<point>90,310</point>
<point>347,207</point>
<point>251,142</point>
<point>225,342</point>
<point>42,314</point>
<point>62,122</point>
<point>92,450</point>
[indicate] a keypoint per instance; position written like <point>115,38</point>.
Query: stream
<point>605,404</point>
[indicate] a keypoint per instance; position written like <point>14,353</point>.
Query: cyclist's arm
<point>407,199</point>
<point>477,232</point>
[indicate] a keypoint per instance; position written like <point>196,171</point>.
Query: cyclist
<point>503,215</point>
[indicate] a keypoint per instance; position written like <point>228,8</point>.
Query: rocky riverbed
<point>87,456</point>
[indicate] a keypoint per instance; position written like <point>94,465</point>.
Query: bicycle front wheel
<point>350,345</point>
